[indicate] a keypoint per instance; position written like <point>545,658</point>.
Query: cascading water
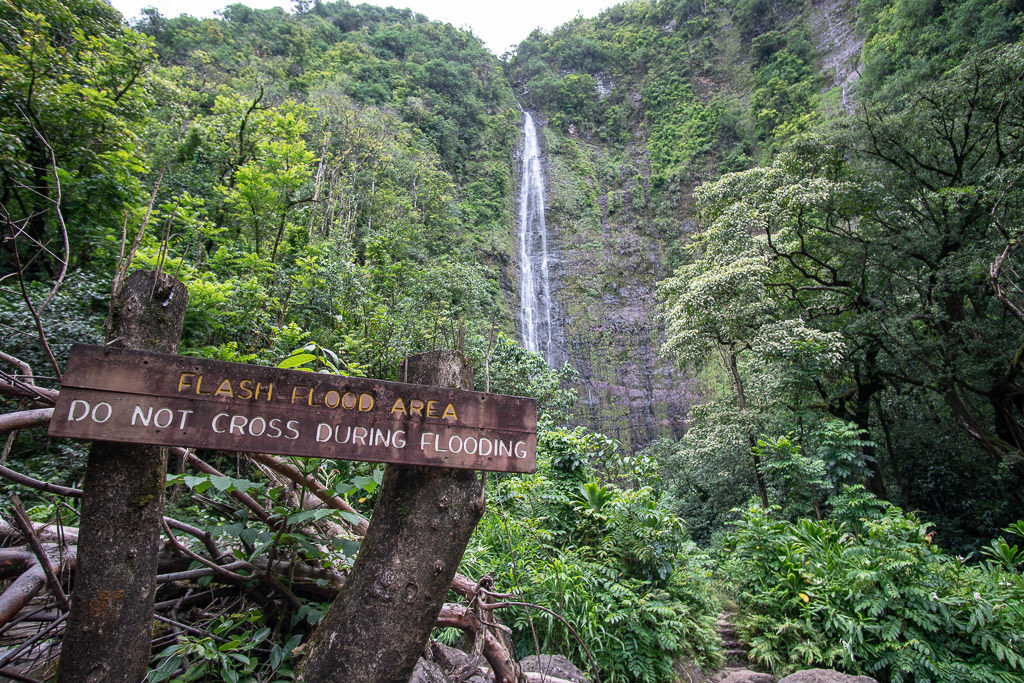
<point>534,282</point>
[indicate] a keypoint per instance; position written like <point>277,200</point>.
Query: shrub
<point>866,591</point>
<point>612,562</point>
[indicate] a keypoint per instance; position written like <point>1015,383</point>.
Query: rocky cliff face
<point>608,261</point>
<point>833,24</point>
<point>617,219</point>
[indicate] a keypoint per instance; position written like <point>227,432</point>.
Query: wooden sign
<point>111,394</point>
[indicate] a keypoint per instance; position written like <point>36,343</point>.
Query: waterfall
<point>534,283</point>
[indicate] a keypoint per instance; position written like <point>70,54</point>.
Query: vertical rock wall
<point>833,24</point>
<point>606,261</point>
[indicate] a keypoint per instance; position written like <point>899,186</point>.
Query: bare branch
<point>32,309</point>
<point>11,385</point>
<point>464,618</point>
<point>125,262</point>
<point>10,655</point>
<point>226,573</point>
<point>25,419</point>
<point>995,270</point>
<point>192,574</point>
<point>56,201</point>
<point>310,482</point>
<point>25,480</point>
<point>204,536</point>
<point>23,522</point>
<point>510,603</point>
<point>244,498</point>
<point>26,369</point>
<point>18,676</point>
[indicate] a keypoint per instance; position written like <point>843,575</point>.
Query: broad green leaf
<point>296,360</point>
<point>221,483</point>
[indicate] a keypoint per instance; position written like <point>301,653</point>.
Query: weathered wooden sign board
<point>110,394</point>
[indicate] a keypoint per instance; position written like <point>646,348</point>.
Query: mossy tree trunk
<point>377,627</point>
<point>111,622</point>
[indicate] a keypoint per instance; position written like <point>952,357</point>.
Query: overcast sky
<point>499,24</point>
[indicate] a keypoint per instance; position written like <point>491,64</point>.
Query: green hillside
<point>787,283</point>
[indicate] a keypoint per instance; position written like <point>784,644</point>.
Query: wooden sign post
<point>433,438</point>
<point>379,624</point>
<point>111,622</point>
<point>110,394</point>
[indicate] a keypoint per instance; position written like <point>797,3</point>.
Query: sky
<point>499,24</point>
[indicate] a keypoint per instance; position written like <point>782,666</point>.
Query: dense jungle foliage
<point>336,187</point>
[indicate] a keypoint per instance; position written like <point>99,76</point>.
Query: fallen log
<point>29,391</point>
<point>18,594</point>
<point>14,561</point>
<point>465,619</point>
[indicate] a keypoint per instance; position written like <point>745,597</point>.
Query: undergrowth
<point>866,591</point>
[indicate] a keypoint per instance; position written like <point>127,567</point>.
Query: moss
<point>147,494</point>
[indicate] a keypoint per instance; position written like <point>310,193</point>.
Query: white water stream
<point>534,282</point>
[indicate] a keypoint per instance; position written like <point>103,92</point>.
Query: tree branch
<point>23,522</point>
<point>25,419</point>
<point>312,484</point>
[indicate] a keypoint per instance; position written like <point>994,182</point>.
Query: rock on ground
<point>687,671</point>
<point>825,676</point>
<point>447,657</point>
<point>428,672</point>
<point>554,665</point>
<point>747,676</point>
